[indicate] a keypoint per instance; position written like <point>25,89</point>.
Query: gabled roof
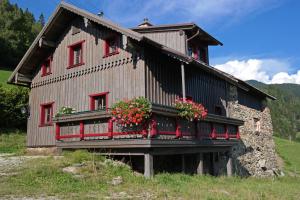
<point>183,26</point>
<point>66,12</point>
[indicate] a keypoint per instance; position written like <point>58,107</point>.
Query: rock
<point>71,170</point>
<point>117,180</point>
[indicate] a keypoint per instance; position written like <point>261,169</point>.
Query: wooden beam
<point>229,166</point>
<point>46,43</point>
<point>183,163</point>
<point>200,164</point>
<point>148,165</point>
<point>183,81</point>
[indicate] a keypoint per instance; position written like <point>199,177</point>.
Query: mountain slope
<point>285,110</point>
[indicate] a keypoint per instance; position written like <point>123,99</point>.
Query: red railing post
<point>145,129</point>
<point>226,132</point>
<point>153,131</point>
<point>81,131</point>
<point>238,136</point>
<point>57,131</point>
<point>213,131</point>
<point>110,128</point>
<point>178,129</point>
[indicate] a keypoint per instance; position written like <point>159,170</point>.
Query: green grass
<point>44,177</point>
<point>4,75</point>
<point>12,141</point>
<point>289,152</point>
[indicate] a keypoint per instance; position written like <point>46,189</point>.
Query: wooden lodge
<point>83,61</point>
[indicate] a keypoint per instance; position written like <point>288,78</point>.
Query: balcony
<point>163,125</point>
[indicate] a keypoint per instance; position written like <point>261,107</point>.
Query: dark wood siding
<point>163,79</point>
<point>206,89</point>
<point>249,100</point>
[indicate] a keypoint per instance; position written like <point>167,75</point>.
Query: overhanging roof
<point>66,12</point>
<point>183,26</point>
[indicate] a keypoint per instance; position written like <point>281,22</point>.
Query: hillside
<point>285,110</point>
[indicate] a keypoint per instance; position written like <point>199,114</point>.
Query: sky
<point>261,37</point>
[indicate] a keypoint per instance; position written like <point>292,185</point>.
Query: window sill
<point>111,54</point>
<point>44,125</point>
<point>77,65</point>
<point>46,74</point>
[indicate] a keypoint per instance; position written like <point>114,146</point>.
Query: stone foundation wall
<point>255,154</point>
<point>43,151</point>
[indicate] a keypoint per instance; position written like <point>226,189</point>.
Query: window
<point>76,54</point>
<point>256,124</point>
<point>46,67</point>
<point>99,101</point>
<point>46,114</point>
<point>111,46</point>
<point>198,53</point>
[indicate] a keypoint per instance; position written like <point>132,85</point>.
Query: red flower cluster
<point>131,112</point>
<point>190,110</point>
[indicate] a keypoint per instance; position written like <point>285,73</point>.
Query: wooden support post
<point>183,82</point>
<point>57,131</point>
<point>110,128</point>
<point>182,163</point>
<point>148,165</point>
<point>200,164</point>
<point>81,131</point>
<point>229,165</point>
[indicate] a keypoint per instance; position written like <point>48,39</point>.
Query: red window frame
<point>42,114</point>
<point>44,68</point>
<point>106,46</point>
<point>92,100</point>
<point>71,54</point>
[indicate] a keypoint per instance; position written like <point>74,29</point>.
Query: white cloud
<point>264,70</point>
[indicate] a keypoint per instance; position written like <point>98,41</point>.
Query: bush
<point>12,101</point>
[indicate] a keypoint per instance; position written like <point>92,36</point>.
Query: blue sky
<point>261,37</point>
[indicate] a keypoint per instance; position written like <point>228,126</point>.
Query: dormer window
<point>111,46</point>
<point>46,67</point>
<point>76,54</point>
<point>198,53</point>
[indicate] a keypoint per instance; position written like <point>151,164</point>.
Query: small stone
<point>71,170</point>
<point>117,180</point>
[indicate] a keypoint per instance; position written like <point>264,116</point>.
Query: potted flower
<point>64,111</point>
<point>132,112</point>
<point>190,110</point>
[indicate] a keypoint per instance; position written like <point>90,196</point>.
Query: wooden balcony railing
<point>164,122</point>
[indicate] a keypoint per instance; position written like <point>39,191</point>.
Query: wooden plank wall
<point>71,87</point>
<point>248,100</point>
<point>172,39</point>
<point>163,84</point>
<point>163,78</point>
<point>206,89</point>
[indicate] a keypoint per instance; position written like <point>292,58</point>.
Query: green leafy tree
<point>18,28</point>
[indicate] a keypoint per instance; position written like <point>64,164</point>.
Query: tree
<point>18,29</point>
<point>42,19</point>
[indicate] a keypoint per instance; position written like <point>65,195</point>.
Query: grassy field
<point>44,177</point>
<point>4,75</point>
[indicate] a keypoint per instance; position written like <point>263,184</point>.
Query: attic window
<point>46,67</point>
<point>76,54</point>
<point>198,53</point>
<point>46,114</point>
<point>99,101</point>
<point>111,46</point>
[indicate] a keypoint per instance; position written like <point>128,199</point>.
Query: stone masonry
<point>255,154</point>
